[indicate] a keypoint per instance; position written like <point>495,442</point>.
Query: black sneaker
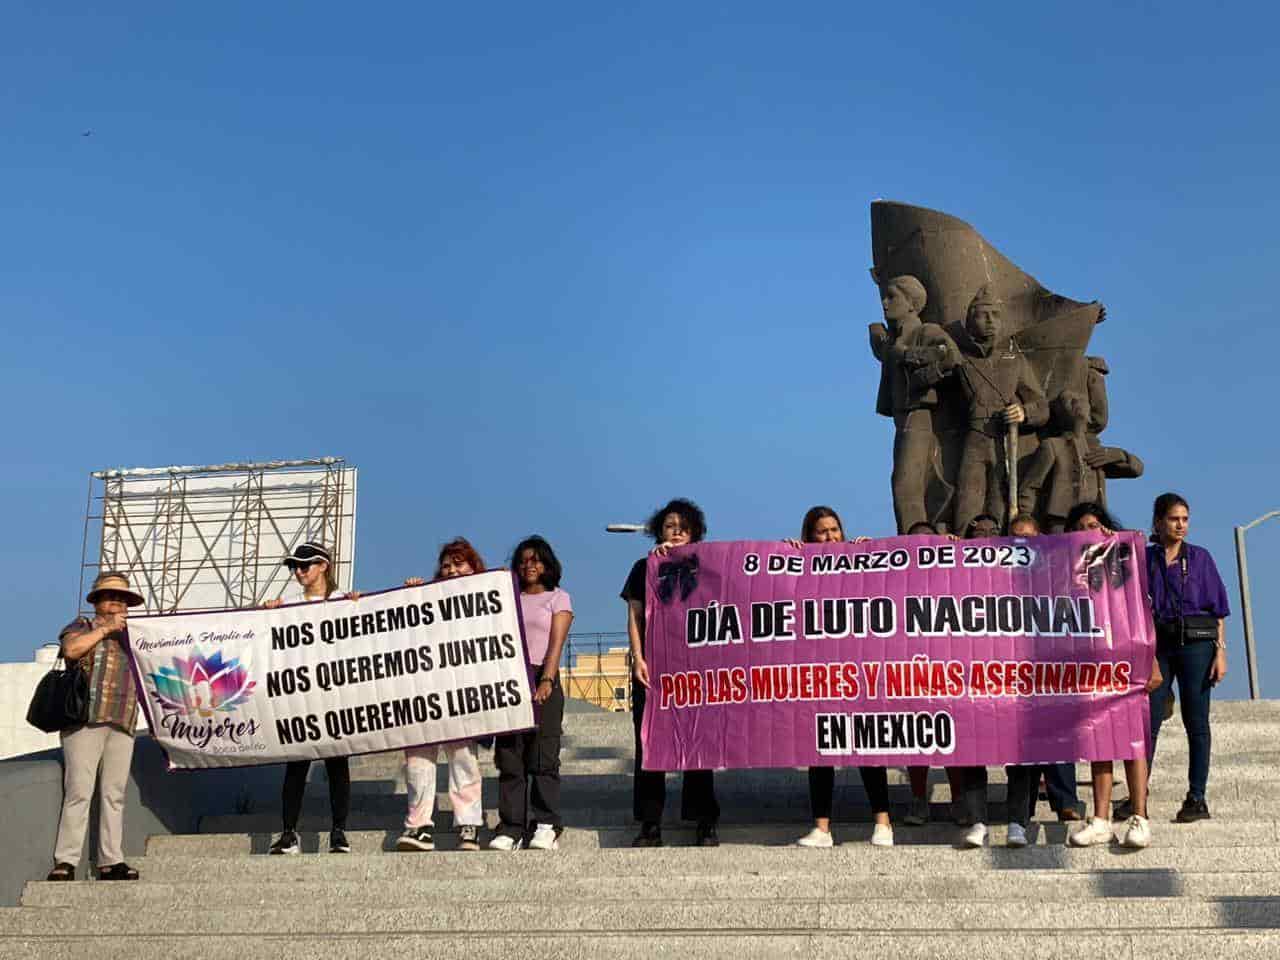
<point>287,844</point>
<point>650,836</point>
<point>416,838</point>
<point>468,838</point>
<point>338,841</point>
<point>707,835</point>
<point>1192,810</point>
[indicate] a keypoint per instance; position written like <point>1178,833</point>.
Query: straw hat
<point>113,582</point>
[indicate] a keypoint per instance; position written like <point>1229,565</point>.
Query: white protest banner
<point>395,669</point>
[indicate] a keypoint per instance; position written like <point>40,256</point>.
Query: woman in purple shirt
<point>1189,603</point>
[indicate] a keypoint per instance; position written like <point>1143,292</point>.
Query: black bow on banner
<point>1106,562</point>
<point>673,573</point>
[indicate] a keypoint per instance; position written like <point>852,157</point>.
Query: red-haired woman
<point>457,558</point>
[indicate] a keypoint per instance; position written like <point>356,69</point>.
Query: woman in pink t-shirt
<point>529,763</point>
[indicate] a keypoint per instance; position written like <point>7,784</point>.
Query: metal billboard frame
<point>228,523</point>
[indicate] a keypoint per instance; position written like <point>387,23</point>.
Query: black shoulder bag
<point>1191,627</point>
<point>61,699</point>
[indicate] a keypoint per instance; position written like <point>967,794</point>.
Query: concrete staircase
<point>1208,888</point>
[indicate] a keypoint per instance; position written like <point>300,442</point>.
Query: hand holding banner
<point>404,667</point>
<point>912,650</point>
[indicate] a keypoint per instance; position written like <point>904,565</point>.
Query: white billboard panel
<point>211,538</point>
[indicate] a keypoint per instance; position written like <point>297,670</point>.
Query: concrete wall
<point>157,802</point>
<point>17,684</point>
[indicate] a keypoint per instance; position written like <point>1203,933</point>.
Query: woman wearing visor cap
<point>313,570</point>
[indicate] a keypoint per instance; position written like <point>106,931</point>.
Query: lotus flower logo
<point>201,686</point>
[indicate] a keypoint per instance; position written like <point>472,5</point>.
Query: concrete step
<point>1083,944</point>
<point>848,859</point>
<point>301,914</point>
<point>1208,834</point>
<point>615,811</point>
<point>436,882</point>
<point>595,807</point>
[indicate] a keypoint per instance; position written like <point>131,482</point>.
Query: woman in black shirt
<point>678,523</point>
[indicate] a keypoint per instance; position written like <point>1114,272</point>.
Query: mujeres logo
<point>200,686</point>
<point>198,695</point>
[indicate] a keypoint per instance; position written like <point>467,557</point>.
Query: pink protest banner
<point>912,650</point>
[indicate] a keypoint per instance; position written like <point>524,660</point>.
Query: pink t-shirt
<point>538,609</point>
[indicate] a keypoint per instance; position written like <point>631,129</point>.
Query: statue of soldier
<point>1074,463</point>
<point>1002,392</point>
<point>1110,463</point>
<point>1061,463</point>
<point>910,352</point>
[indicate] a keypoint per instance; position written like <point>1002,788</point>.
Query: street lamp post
<point>1246,604</point>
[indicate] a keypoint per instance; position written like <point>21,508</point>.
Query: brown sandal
<point>61,871</point>
<point>118,871</point>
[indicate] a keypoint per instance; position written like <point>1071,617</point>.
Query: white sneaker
<point>976,836</point>
<point>544,838</point>
<point>817,838</point>
<point>1137,832</point>
<point>882,835</point>
<point>1095,832</point>
<point>504,842</point>
<point>918,813</point>
<point>1017,835</point>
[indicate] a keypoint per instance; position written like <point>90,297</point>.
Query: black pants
<point>1024,788</point>
<point>822,784</point>
<point>698,794</point>
<point>295,784</point>
<point>973,793</point>
<point>529,771</point>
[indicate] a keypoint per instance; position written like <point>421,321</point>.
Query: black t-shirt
<point>633,589</point>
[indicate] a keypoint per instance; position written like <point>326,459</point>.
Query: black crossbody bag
<point>1189,627</point>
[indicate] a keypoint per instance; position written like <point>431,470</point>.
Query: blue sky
<point>540,269</point>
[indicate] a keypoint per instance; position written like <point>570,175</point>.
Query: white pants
<point>464,783</point>
<point>84,751</point>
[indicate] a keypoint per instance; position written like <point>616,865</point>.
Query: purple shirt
<point>1189,585</point>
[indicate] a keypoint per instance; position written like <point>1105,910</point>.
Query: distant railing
<point>595,667</point>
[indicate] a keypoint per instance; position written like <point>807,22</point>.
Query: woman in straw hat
<point>105,739</point>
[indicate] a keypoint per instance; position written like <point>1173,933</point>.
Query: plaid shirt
<point>113,696</point>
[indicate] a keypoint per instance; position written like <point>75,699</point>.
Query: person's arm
<point>639,669</point>
<point>551,663</point>
<point>1220,607</point>
<point>1156,678</point>
<point>75,644</point>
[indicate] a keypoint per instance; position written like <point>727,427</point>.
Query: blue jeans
<point>1060,781</point>
<point>1190,665</point>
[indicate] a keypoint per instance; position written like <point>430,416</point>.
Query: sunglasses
<point>296,565</point>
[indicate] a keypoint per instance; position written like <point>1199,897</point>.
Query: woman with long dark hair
<point>823,525</point>
<point>674,525</point>
<point>458,558</point>
<point>529,763</point>
<point>1137,828</point>
<point>1189,605</point>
